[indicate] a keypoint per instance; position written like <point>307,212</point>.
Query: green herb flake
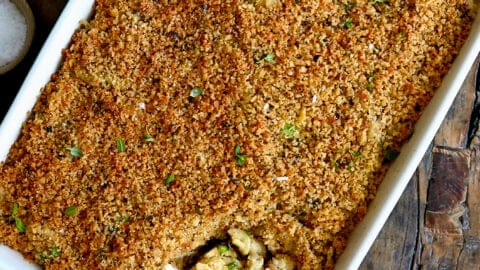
<point>350,167</point>
<point>75,151</point>
<point>237,150</point>
<point>335,164</point>
<point>233,266</point>
<point>123,219</point>
<point>239,158</point>
<point>121,145</point>
<point>71,211</point>
<point>196,92</point>
<point>18,222</point>
<point>371,78</point>
<point>348,23</point>
<point>20,225</point>
<point>55,252</point>
<point>391,154</point>
<point>49,255</point>
<point>148,138</point>
<point>222,249</point>
<point>170,179</point>
<point>43,257</point>
<point>15,209</point>
<point>198,210</point>
<point>381,1</point>
<point>356,154</point>
<point>348,7</point>
<point>289,130</point>
<point>269,57</point>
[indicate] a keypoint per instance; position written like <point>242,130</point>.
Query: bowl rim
<point>25,10</point>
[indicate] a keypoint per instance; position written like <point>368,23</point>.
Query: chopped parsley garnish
<point>148,138</point>
<point>335,164</point>
<point>75,151</point>
<point>356,153</point>
<point>348,7</point>
<point>348,23</point>
<point>55,252</point>
<point>18,222</point>
<point>350,167</point>
<point>381,1</point>
<point>391,154</point>
<point>196,92</point>
<point>121,145</point>
<point>233,266</point>
<point>51,254</point>
<point>15,209</point>
<point>170,179</point>
<point>370,79</point>
<point>222,249</point>
<point>20,225</point>
<point>71,211</point>
<point>123,219</point>
<point>237,149</point>
<point>289,130</point>
<point>269,57</point>
<point>239,158</point>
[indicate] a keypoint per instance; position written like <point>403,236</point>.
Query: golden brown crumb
<point>315,94</point>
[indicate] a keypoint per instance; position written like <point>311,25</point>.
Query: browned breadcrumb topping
<point>314,93</point>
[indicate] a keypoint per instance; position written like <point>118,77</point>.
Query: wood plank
<point>424,172</point>
<point>454,130</point>
<point>470,255</point>
<point>448,184</point>
<point>453,241</point>
<point>442,235</point>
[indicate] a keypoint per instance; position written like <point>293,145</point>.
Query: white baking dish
<point>388,193</point>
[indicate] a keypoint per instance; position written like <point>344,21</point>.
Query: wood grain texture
<point>436,224</point>
<point>454,130</point>
<point>442,231</point>
<point>470,254</point>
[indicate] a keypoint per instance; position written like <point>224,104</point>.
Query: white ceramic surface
<point>389,191</point>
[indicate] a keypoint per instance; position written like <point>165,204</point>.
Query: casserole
<point>393,184</point>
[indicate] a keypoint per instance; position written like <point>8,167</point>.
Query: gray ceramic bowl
<point>24,8</point>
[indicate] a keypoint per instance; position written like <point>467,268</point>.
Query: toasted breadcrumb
<point>348,78</point>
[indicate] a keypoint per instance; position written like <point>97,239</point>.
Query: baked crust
<point>316,94</point>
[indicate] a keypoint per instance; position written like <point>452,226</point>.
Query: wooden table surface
<point>435,225</point>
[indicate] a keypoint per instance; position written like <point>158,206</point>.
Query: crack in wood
<point>475,115</point>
